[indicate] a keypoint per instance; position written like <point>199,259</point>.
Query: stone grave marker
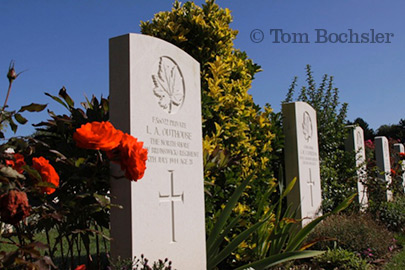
<point>302,159</point>
<point>382,154</point>
<point>155,96</point>
<point>399,148</point>
<point>355,142</point>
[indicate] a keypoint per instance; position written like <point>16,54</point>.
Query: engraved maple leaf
<point>168,83</point>
<point>307,126</point>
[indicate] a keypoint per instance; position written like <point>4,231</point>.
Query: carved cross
<point>311,183</point>
<point>171,198</point>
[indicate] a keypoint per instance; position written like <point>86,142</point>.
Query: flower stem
<point>8,94</point>
<point>19,234</point>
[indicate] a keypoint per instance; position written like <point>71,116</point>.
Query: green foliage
<point>84,185</point>
<point>392,214</point>
<point>292,246</point>
<point>216,254</point>
<point>338,171</point>
<point>276,239</point>
<point>84,178</point>
<point>398,259</point>
<point>396,131</point>
<point>356,233</point>
<point>397,262</point>
<point>13,118</point>
<point>341,259</point>
<point>232,122</point>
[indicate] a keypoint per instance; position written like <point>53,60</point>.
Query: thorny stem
<point>61,246</point>
<point>98,248</point>
<point>88,255</point>
<point>20,239</point>
<point>8,94</point>
<point>78,247</point>
<point>70,243</point>
<point>49,243</point>
<point>105,244</point>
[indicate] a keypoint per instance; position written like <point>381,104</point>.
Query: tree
<point>396,132</point>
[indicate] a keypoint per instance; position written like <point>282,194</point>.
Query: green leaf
<point>281,258</point>
<point>57,100</point>
<point>79,162</point>
<point>222,219</point>
<point>20,119</point>
<point>233,245</point>
<point>102,200</point>
<point>33,107</point>
<point>220,238</point>
<point>289,187</point>
<point>344,204</point>
<point>295,243</point>
<point>45,184</point>
<point>66,97</point>
<point>87,104</point>
<point>32,172</point>
<point>105,104</point>
<point>12,125</point>
<point>11,173</point>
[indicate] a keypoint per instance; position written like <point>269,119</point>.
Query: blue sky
<point>65,43</point>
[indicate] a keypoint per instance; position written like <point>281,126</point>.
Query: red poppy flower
<point>47,173</point>
<point>97,136</point>
<point>132,157</point>
<point>402,155</point>
<point>14,207</point>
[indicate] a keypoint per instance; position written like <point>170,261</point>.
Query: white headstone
<point>302,159</point>
<point>355,142</point>
<point>399,148</point>
<point>382,154</point>
<point>155,96</point>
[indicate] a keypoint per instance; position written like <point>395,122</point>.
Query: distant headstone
<point>382,154</point>
<point>155,96</point>
<point>399,148</point>
<point>355,142</point>
<point>302,159</point>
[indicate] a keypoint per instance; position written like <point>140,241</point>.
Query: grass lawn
<point>79,251</point>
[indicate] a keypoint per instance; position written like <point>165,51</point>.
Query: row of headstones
<point>155,96</point>
<point>355,142</point>
<point>302,159</point>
